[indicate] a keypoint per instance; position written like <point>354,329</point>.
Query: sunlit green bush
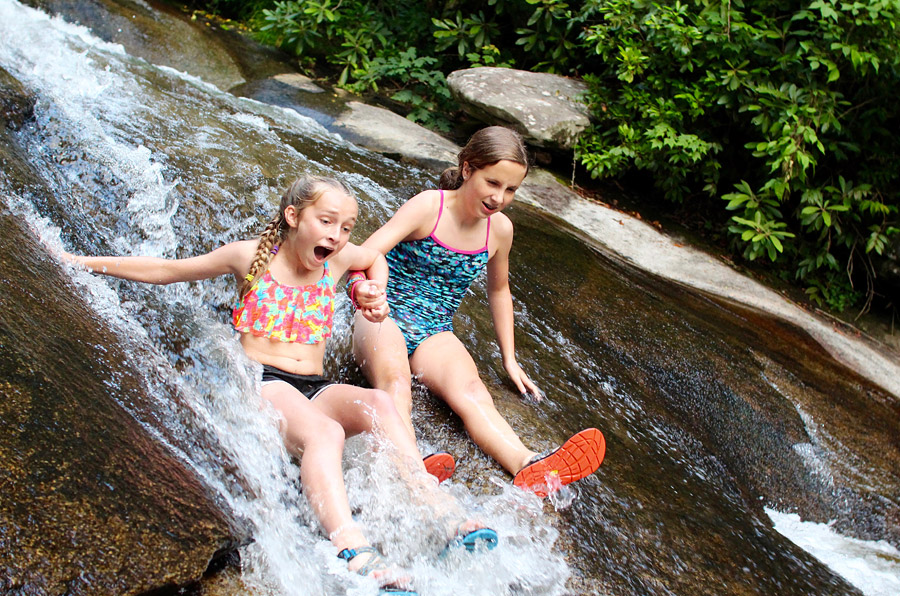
<point>784,111</point>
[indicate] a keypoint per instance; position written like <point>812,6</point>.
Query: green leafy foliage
<point>549,33</point>
<point>465,33</point>
<point>787,103</point>
<point>407,46</point>
<point>416,82</point>
<point>488,55</point>
<point>346,34</point>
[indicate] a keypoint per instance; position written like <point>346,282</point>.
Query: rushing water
<point>711,414</point>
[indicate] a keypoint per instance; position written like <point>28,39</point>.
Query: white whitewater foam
<point>871,566</point>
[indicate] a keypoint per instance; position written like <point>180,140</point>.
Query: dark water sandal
<point>577,458</point>
<point>440,465</point>
<point>376,562</point>
<point>473,540</point>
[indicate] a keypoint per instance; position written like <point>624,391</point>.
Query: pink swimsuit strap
<point>487,236</point>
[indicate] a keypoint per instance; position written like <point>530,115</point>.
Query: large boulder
<point>546,109</point>
<point>393,135</point>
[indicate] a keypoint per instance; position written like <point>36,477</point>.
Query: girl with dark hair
<point>436,244</point>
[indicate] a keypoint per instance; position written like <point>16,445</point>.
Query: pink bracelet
<point>353,293</point>
<point>352,281</point>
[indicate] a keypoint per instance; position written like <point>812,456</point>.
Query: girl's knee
<point>324,433</point>
<point>475,392</point>
<point>473,399</point>
<point>381,408</point>
<point>381,403</point>
<point>399,385</point>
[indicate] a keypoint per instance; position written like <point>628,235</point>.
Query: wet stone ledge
<point>90,503</point>
<point>16,105</point>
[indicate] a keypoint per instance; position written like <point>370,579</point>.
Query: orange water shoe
<point>440,465</point>
<point>577,458</point>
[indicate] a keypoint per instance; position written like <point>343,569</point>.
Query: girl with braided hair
<point>284,315</point>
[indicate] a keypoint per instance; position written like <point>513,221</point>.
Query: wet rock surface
<point>545,108</point>
<point>141,28</point>
<point>16,105</point>
<point>393,135</point>
<point>90,501</point>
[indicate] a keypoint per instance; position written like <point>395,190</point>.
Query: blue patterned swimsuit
<point>428,281</point>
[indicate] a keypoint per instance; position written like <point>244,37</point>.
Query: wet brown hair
<point>302,193</point>
<point>486,147</point>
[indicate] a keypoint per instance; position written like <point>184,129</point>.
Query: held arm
<point>367,281</point>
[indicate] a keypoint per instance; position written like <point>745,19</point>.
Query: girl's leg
<point>385,365</point>
<point>320,440</point>
<point>444,365</point>
<point>361,410</point>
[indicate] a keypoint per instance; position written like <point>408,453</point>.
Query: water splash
<point>871,566</point>
<point>154,136</point>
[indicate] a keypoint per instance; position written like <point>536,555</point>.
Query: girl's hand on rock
<point>525,385</point>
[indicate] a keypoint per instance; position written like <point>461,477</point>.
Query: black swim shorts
<point>309,385</point>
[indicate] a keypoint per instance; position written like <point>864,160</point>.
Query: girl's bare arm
<point>369,295</point>
<point>232,258</point>
<point>414,219</point>
<point>501,305</point>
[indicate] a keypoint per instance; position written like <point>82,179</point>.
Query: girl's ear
<point>292,215</point>
<point>465,171</point>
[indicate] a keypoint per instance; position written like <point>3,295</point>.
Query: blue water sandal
<point>485,537</point>
<point>376,562</point>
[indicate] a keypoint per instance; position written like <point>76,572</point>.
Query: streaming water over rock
<point>711,413</point>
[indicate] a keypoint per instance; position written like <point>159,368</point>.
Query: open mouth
<point>488,206</point>
<point>322,252</point>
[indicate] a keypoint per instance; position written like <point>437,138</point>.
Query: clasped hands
<point>371,300</point>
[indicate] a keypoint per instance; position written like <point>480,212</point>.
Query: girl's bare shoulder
<point>501,225</point>
<point>416,217</point>
<point>241,249</point>
<point>238,255</point>
<point>501,234</point>
<point>425,202</point>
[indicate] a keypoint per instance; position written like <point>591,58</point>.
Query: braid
<point>269,241</point>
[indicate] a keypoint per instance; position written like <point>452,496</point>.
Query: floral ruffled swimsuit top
<point>287,313</point>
